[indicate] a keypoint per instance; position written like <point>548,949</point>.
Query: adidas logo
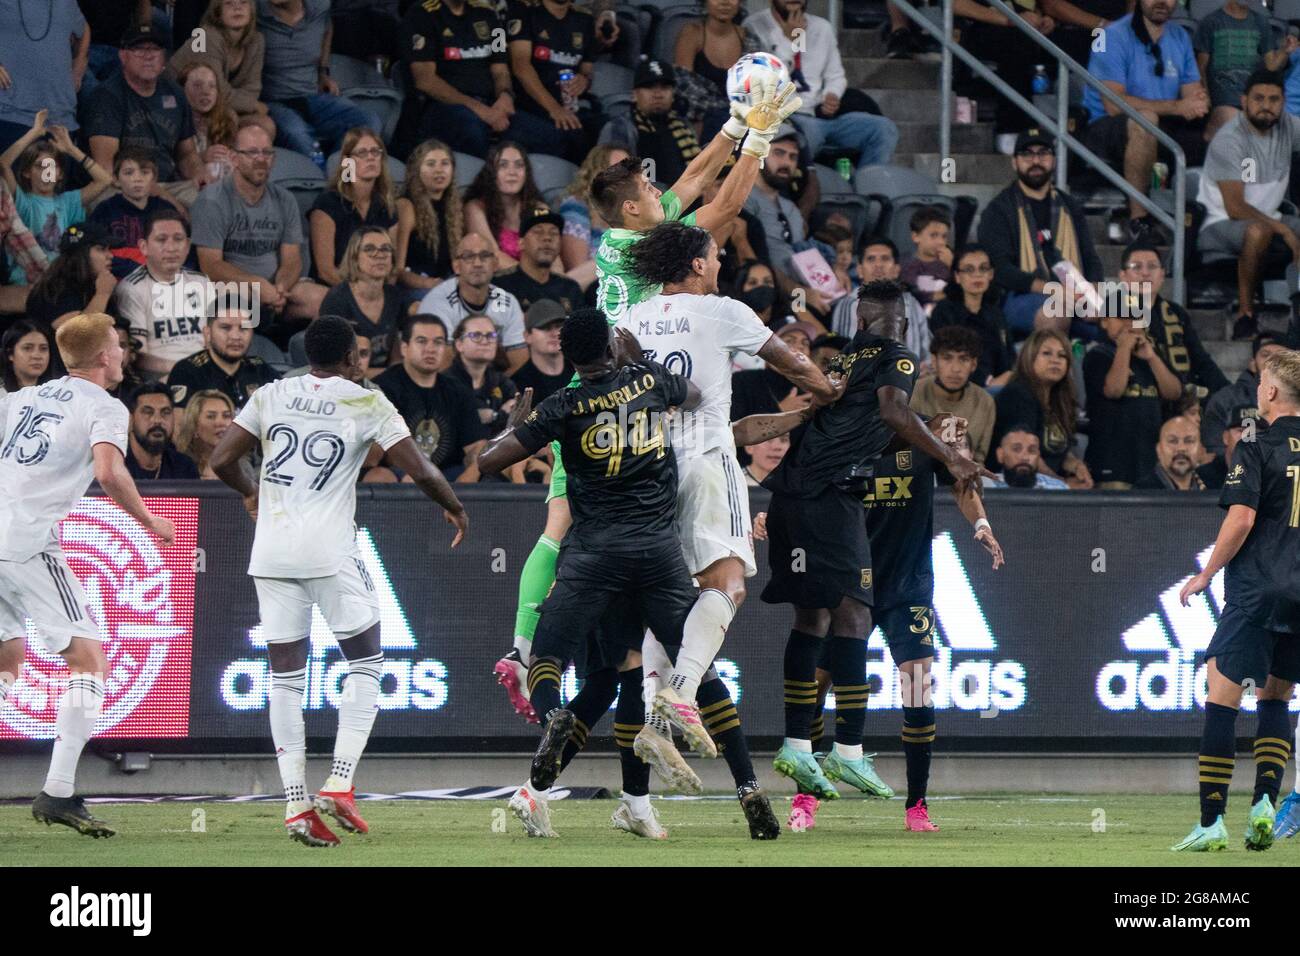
<point>1215,796</point>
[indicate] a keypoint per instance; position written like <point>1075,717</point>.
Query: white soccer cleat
<point>648,827</point>
<point>662,756</point>
<point>685,716</point>
<point>533,812</point>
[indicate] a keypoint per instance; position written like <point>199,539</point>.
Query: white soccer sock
<point>800,746</point>
<point>640,806</point>
<point>848,751</point>
<point>524,645</point>
<point>289,733</point>
<point>702,637</point>
<point>656,668</point>
<point>357,711</point>
<point>78,708</point>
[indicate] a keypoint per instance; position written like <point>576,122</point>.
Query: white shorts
<point>713,511</point>
<point>44,589</point>
<point>347,601</point>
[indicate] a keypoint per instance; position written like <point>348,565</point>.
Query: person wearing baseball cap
<point>62,292</point>
<point>657,133</point>
<point>546,370</point>
<point>539,247</point>
<point>1244,421</point>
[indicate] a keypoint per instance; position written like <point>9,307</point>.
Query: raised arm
<point>799,370</point>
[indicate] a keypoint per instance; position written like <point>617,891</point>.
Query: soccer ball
<point>740,77</point>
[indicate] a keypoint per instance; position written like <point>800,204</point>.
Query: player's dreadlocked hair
<point>584,337</point>
<point>328,341</point>
<point>665,253</point>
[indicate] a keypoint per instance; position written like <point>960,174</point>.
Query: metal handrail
<point>1059,125</point>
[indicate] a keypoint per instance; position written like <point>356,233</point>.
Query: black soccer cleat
<point>762,821</point>
<point>546,761</point>
<point>71,812</point>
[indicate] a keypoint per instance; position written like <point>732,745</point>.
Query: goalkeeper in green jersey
<point>625,195</point>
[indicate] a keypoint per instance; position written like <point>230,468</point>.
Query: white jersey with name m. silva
<point>697,336</point>
<point>315,434</point>
<point>47,459</point>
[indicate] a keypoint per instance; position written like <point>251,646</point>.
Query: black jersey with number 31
<point>1264,578</point>
<point>621,469</point>
<point>899,501</point>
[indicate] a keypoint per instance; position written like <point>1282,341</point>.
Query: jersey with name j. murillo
<point>315,434</point>
<point>46,457</point>
<point>697,336</point>
<point>1263,580</point>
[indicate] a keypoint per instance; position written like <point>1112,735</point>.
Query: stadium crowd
<point>148,155</point>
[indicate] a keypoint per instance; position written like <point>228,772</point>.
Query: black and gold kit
<point>462,47</point>
<point>198,372</point>
<point>559,44</point>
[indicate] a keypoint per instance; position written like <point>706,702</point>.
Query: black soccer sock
<point>1218,748</point>
<point>918,739</point>
<point>1272,748</point>
<point>629,718</point>
<point>589,704</point>
<point>800,683</point>
<point>849,673</point>
<point>722,721</point>
<point>818,731</point>
<point>544,687</point>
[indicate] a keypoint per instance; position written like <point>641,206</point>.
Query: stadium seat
<point>298,349</point>
<point>268,352</point>
<point>616,104</point>
<point>354,74</point>
<point>671,20</point>
<point>298,174</point>
<point>467,168</point>
<point>890,181</point>
<point>610,79</point>
<point>837,193</point>
<point>1287,10</point>
<point>551,173</point>
<point>396,169</point>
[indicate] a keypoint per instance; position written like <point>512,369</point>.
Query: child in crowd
<point>135,173</point>
<point>931,268</point>
<point>839,240</point>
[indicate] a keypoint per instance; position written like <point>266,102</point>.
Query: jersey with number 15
<point>315,435</point>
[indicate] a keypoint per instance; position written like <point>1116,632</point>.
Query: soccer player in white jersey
<point>56,437</point>
<point>315,431</point>
<point>695,332</point>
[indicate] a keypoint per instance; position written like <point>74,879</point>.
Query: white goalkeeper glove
<point>767,114</point>
<point>767,96</point>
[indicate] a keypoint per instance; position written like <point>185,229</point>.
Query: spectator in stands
<point>1230,44</point>
<point>22,249</point>
<point>131,378</point>
<point>539,249</point>
<point>763,459</point>
<point>442,412</point>
<point>475,343</point>
<point>1027,228</point>
<point>739,241</point>
<point>249,229</point>
<point>33,168</point>
<point>215,122</point>
<point>141,107</point>
<point>838,239</point>
<point>44,54</point>
<point>1240,394</point>
<point>655,130</point>
<point>1041,395</point>
<point>301,97</point>
<point>956,352</point>
<point>235,51</point>
<point>79,280</point>
<point>124,215</point>
<point>27,355</point>
<point>1178,451</point>
<point>366,296</point>
<point>1076,21</point>
<point>1243,215</point>
<point>223,365</point>
<point>1215,471</point>
<point>497,199</point>
<point>360,193</point>
<point>930,269</point>
<point>1151,65</point>
<point>808,45</point>
<point>1171,331</point>
<point>430,218</point>
<point>1125,381</point>
<point>826,347</point>
<point>108,22</point>
<point>546,370</point>
<point>164,304</point>
<point>150,454</point>
<point>546,40</point>
<point>976,309</point>
<point>1021,463</point>
<point>705,50</point>
<point>473,293</point>
<point>878,259</point>
<point>583,226</point>
<point>766,391</point>
<point>205,420</point>
<point>755,286</point>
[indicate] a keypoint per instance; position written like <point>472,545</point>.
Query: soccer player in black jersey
<point>819,552</point>
<point>1258,637</point>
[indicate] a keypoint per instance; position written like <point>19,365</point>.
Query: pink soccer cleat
<point>343,808</point>
<point>310,830</point>
<point>917,819</point>
<point>803,812</point>
<point>511,674</point>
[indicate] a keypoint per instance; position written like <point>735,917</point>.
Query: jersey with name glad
<point>315,434</point>
<point>46,458</point>
<point>697,336</point>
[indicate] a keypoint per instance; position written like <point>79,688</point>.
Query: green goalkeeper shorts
<point>559,480</point>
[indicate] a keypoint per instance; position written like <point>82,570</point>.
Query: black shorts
<point>1243,650</point>
<point>1108,138</point>
<point>908,630</point>
<point>818,551</point>
<point>646,588</point>
<point>620,630</point>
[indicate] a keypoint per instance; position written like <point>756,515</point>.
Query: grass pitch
<point>1007,830</point>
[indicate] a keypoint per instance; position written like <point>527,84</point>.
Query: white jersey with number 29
<point>696,336</point>
<point>315,435</point>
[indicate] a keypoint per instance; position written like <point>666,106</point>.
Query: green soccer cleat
<point>859,774</point>
<point>1259,825</point>
<point>1203,839</point>
<point>802,769</point>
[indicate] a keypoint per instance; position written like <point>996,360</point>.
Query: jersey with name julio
<point>46,457</point>
<point>842,438</point>
<point>1263,580</point>
<point>622,477</point>
<point>463,48</point>
<point>315,434</point>
<point>698,336</point>
<point>617,287</point>
<point>899,501</point>
<point>559,43</point>
<point>166,317</point>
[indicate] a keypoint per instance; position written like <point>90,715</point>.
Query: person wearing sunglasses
<point>365,297</point>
